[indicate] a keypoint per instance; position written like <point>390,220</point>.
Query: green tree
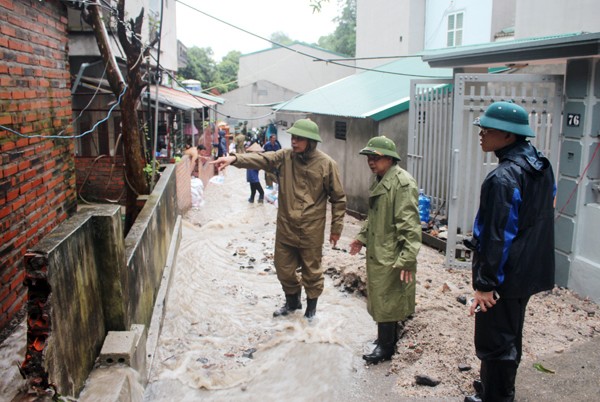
<point>281,38</point>
<point>316,5</point>
<point>200,66</point>
<point>227,71</point>
<point>343,39</point>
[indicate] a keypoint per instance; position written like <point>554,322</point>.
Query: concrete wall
<point>578,195</point>
<point>503,16</point>
<point>83,42</point>
<point>291,70</point>
<point>259,92</point>
<point>399,28</point>
<point>477,22</point>
<point>388,28</point>
<point>146,248</point>
<point>355,174</point>
<point>536,18</point>
<point>37,178</point>
<point>84,280</point>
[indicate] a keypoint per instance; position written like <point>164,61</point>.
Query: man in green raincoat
<point>392,236</point>
<point>308,179</point>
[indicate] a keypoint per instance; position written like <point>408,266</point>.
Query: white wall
<point>168,46</point>
<point>86,45</point>
<point>388,28</point>
<point>536,18</point>
<point>477,21</point>
<point>291,70</point>
<point>260,92</point>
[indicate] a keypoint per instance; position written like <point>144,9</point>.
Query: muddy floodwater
<point>220,341</point>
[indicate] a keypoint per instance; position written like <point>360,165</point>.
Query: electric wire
<point>159,68</point>
<point>577,182</point>
<point>86,106</point>
<point>69,137</point>
<point>315,58</point>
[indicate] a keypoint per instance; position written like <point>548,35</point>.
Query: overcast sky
<point>261,17</point>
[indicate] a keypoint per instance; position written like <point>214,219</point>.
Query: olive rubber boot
<point>311,308</point>
<point>292,303</point>
<point>386,343</point>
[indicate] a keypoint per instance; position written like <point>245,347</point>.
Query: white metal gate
<point>449,164</point>
<point>430,139</point>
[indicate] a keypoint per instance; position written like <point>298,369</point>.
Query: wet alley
<point>220,341</point>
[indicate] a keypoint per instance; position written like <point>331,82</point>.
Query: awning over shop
<point>167,96</point>
<point>180,99</point>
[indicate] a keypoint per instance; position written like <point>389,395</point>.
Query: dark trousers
<point>254,187</point>
<point>499,346</point>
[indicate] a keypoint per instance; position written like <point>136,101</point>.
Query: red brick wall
<point>101,179</point>
<point>37,181</point>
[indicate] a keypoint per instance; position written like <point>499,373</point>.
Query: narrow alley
<point>220,341</point>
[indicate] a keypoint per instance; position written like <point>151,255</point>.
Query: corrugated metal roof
<point>377,94</point>
<point>182,99</point>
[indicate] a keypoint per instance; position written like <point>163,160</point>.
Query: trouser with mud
<point>288,261</point>
<point>499,346</point>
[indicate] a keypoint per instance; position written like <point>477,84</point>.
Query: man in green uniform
<point>239,139</point>
<point>392,235</point>
<point>308,178</point>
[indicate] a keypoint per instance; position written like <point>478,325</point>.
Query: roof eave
<point>585,45</point>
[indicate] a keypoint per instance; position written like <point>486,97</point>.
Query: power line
<point>70,137</point>
<point>315,58</point>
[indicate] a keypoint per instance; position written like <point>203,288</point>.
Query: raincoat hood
<point>526,156</point>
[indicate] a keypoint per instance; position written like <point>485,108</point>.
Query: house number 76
<point>573,119</point>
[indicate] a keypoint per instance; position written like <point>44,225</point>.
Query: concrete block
<point>139,355</point>
<point>112,384</point>
<point>118,348</point>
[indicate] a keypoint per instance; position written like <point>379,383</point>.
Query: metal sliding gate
<point>430,139</point>
<point>444,152</point>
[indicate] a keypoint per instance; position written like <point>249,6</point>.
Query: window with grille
<point>340,130</point>
<point>455,29</point>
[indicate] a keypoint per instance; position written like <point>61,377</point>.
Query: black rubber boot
<point>498,380</point>
<point>311,308</point>
<point>292,303</point>
<point>473,398</point>
<point>386,343</point>
<point>478,387</point>
<point>398,332</point>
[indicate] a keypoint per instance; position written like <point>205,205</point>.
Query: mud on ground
<point>438,341</point>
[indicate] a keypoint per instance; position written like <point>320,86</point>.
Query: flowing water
<point>12,353</point>
<point>220,341</point>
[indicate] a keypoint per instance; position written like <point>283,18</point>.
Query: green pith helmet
<point>380,146</point>
<point>306,128</point>
<point>506,116</point>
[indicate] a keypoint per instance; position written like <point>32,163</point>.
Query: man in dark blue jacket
<point>513,244</point>
<point>272,146</point>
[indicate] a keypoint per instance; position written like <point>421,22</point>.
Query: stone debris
<point>249,353</point>
<point>464,367</point>
<point>426,380</point>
